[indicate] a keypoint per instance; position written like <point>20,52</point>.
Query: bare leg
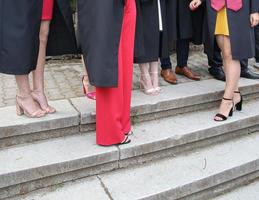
<point>38,75</point>
<point>24,98</point>
<point>232,70</point>
<point>154,76</point>
<point>145,79</point>
<point>89,90</point>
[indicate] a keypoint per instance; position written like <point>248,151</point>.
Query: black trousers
<point>182,51</point>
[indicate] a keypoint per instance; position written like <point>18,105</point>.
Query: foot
<point>217,73</point>
<point>26,105</point>
<point>41,99</point>
<point>224,110</point>
<point>187,72</point>
<point>86,88</point>
<point>248,73</point>
<point>237,97</point>
<point>125,141</point>
<point>155,82</point>
<point>129,133</point>
<point>256,65</point>
<point>169,76</point>
<point>146,84</point>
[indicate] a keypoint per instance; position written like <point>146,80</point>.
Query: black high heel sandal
<point>223,117</point>
<point>125,141</point>
<point>129,133</point>
<point>239,105</point>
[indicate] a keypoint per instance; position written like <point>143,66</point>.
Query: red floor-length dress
<point>47,10</point>
<point>113,104</point>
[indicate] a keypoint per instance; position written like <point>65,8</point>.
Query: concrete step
<point>78,114</point>
<point>247,192</point>
<point>198,175</point>
<point>28,167</point>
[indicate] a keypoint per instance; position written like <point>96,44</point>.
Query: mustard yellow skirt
<point>222,23</point>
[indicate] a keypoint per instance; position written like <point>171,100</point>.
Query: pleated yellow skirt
<point>222,23</point>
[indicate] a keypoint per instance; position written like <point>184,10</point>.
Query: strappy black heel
<point>239,105</point>
<point>129,133</point>
<point>223,117</point>
<point>125,141</point>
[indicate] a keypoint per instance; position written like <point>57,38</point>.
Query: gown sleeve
<point>254,6</point>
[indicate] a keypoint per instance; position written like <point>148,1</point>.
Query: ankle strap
<point>237,92</point>
<point>227,99</point>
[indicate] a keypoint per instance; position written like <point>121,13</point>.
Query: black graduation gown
<point>62,39</point>
<point>19,35</point>
<point>242,36</point>
<point>148,46</point>
<point>100,24</point>
<point>183,23</point>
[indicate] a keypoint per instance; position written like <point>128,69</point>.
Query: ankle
<point>23,95</point>
<point>38,91</point>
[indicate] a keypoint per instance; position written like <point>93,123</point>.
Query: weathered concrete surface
<point>40,160</point>
<point>13,125</point>
<point>186,129</point>
<point>174,178</point>
<point>60,158</point>
<point>248,192</point>
<point>173,100</point>
<point>89,188</point>
<point>184,177</point>
<point>78,114</point>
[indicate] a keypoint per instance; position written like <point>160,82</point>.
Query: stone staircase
<point>177,150</point>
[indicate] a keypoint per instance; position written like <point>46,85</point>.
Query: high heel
<point>89,95</point>
<point>125,141</point>
<point>239,105</point>
<point>223,117</point>
<point>155,82</point>
<point>145,85</point>
<point>21,110</point>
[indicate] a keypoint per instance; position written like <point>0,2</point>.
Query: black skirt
<point>19,35</point>
<point>151,42</point>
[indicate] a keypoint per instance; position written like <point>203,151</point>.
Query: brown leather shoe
<point>187,72</point>
<point>169,76</point>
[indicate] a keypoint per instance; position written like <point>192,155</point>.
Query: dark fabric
<point>216,59</point>
<point>150,44</point>
<point>182,51</point>
<point>241,34</point>
<point>182,22</point>
<point>100,25</point>
<point>62,39</point>
<point>244,64</point>
<point>257,43</point>
<point>19,35</point>
<point>166,63</point>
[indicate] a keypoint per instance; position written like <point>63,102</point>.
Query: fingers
<point>195,4</point>
<point>254,19</point>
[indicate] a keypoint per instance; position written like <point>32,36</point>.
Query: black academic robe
<point>62,39</point>
<point>242,36</point>
<point>100,24</point>
<point>150,42</point>
<point>183,23</point>
<point>19,35</point>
